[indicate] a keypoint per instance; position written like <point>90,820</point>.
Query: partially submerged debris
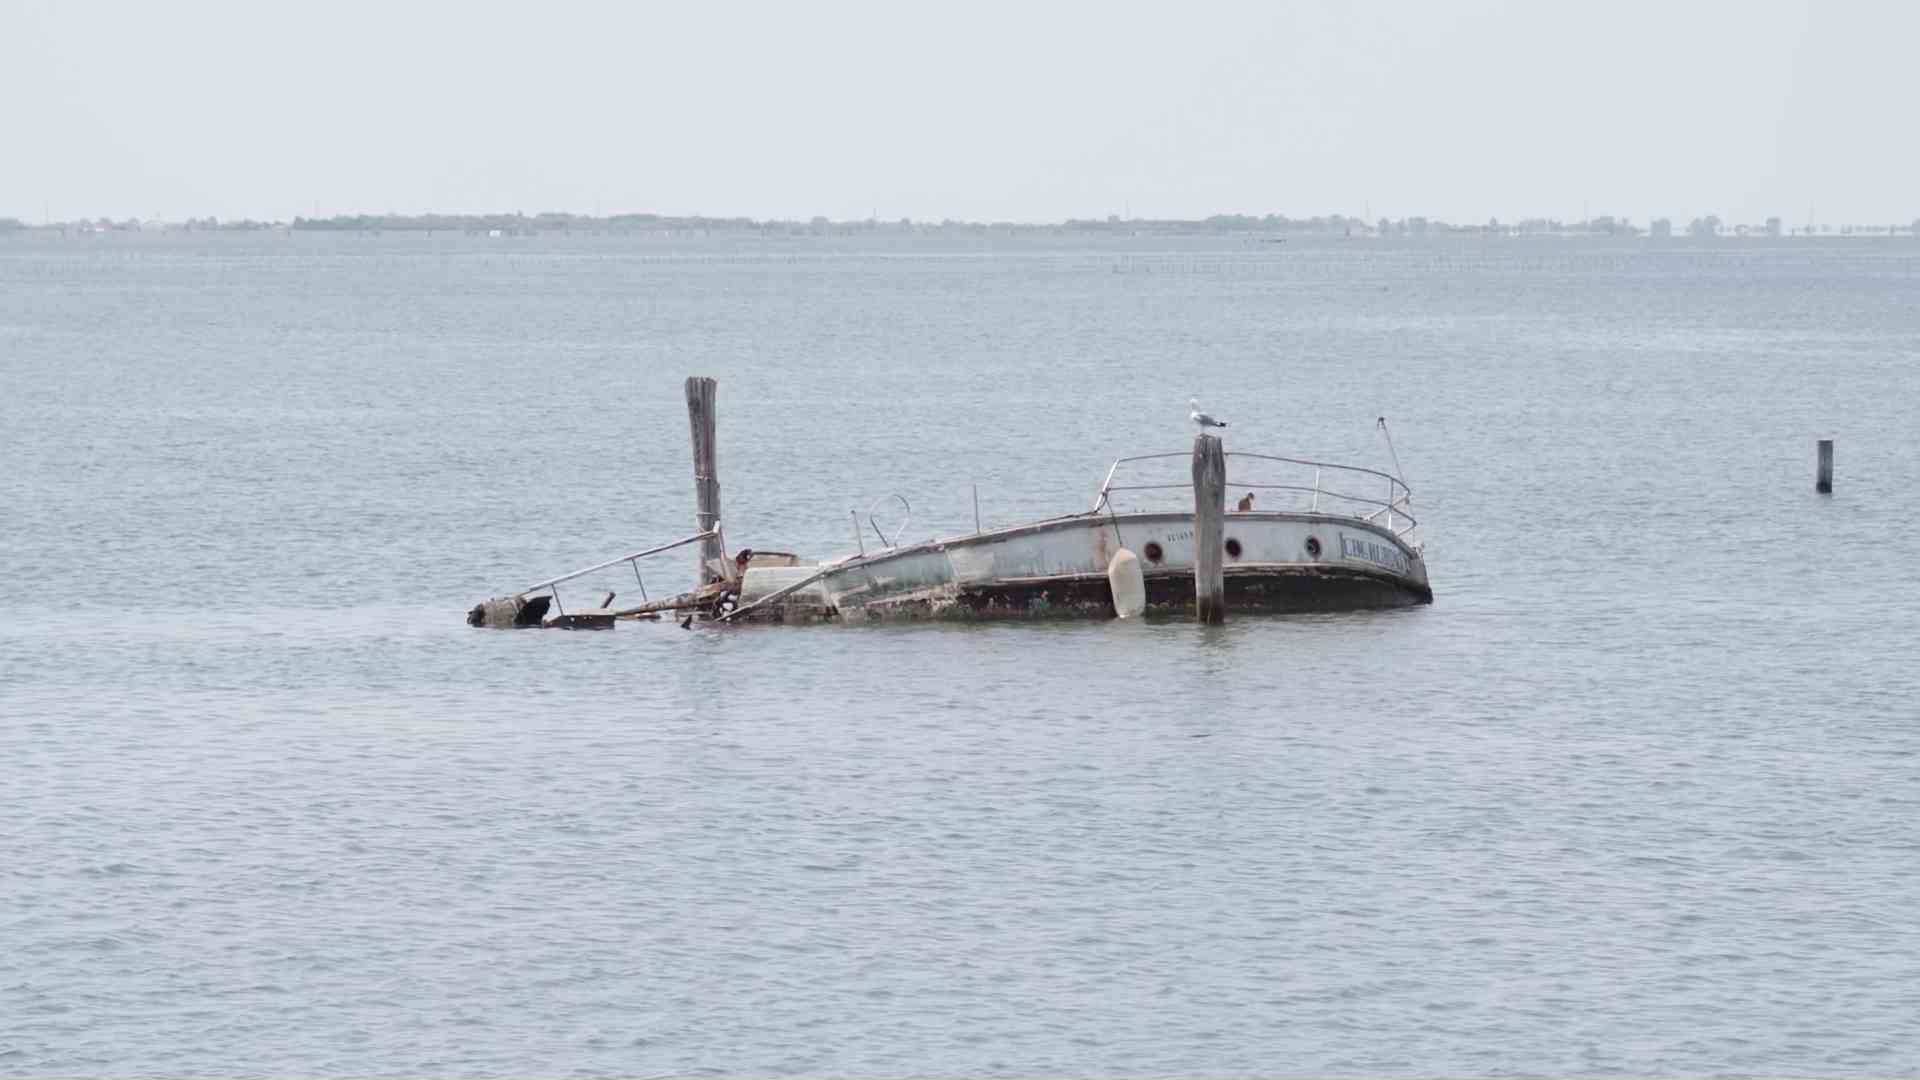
<point>504,612</point>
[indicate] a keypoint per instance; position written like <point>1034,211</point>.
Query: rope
<point>1396,458</point>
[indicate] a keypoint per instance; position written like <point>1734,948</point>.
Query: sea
<point>1637,795</point>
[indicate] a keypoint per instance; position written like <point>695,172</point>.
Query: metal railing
<point>552,584</point>
<point>1309,486</point>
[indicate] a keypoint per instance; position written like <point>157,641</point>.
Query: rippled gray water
<point>1638,794</point>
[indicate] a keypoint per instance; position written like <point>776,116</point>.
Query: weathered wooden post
<point>1209,529</point>
<point>1823,470</point>
<point>706,477</point>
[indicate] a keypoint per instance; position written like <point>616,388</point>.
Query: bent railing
<point>1319,487</point>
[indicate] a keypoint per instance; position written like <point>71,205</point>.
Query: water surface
<point>1639,793</point>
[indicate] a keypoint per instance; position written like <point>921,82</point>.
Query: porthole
<point>1233,548</point>
<point>1313,547</point>
<point>1153,552</point>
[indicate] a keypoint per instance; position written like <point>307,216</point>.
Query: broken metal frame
<point>552,584</point>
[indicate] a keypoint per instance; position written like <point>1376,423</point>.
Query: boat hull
<point>1274,562</point>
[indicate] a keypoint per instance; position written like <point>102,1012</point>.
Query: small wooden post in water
<point>706,475</point>
<point>1209,529</point>
<point>1823,471</point>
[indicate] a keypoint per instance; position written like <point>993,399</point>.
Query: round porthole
<point>1233,547</point>
<point>1313,547</point>
<point>1153,552</point>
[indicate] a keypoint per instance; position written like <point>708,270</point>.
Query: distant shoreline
<point>1274,225</point>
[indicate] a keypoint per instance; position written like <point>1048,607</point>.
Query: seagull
<point>1200,418</point>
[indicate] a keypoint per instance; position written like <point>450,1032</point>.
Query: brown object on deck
<point>701,393</point>
<point>706,596</point>
<point>1209,528</point>
<point>1246,503</point>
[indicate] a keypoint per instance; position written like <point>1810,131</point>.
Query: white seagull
<point>1203,419</point>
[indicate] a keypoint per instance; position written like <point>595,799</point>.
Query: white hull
<point>1275,561</point>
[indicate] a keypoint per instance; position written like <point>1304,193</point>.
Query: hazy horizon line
<point>1220,218</point>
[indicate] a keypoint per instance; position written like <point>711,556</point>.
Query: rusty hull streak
<point>1269,589</point>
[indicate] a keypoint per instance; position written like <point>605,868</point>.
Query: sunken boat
<point>1306,536</point>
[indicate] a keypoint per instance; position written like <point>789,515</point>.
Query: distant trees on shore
<point>514,224</point>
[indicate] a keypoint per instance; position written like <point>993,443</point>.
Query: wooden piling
<point>1209,529</point>
<point>701,393</point>
<point>1823,469</point>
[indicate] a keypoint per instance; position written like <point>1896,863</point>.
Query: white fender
<point>1128,583</point>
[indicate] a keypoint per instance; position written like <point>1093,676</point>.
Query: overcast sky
<point>1030,111</point>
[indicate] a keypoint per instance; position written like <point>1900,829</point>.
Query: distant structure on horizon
<point>1268,228</point>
